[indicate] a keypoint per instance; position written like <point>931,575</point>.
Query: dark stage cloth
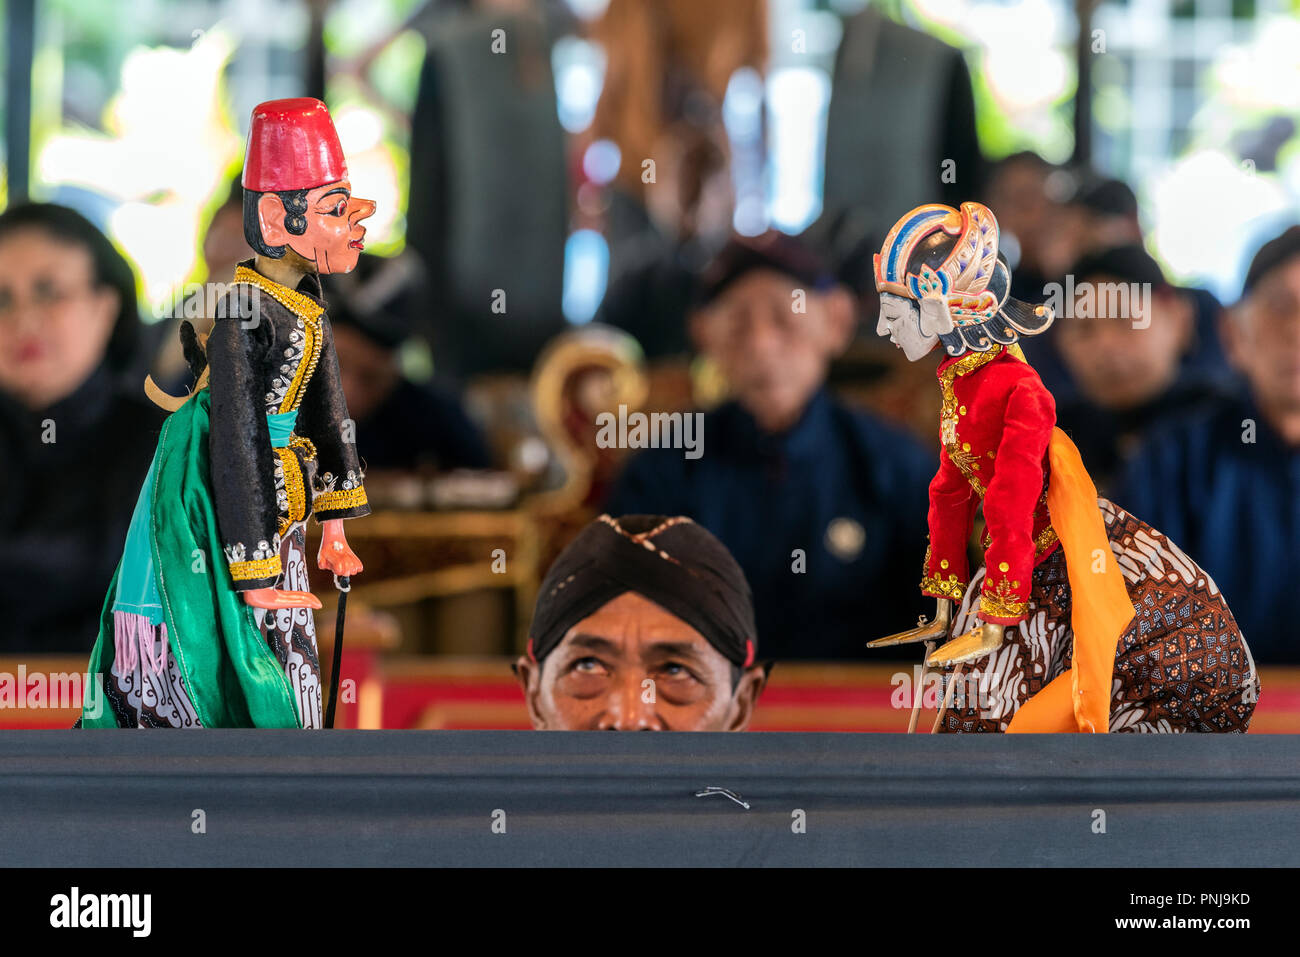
<point>94,798</point>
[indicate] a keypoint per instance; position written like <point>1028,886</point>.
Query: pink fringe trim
<point>138,641</point>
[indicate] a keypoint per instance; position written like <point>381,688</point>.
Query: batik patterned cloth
<point>291,632</point>
<point>142,695</point>
<point>1181,665</point>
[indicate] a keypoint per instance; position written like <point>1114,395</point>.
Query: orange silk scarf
<point>1100,610</point>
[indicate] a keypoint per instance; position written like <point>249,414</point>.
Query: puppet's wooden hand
<point>924,630</point>
<point>985,638</point>
<point>334,554</point>
<point>277,598</point>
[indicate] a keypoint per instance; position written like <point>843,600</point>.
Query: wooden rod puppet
<point>1083,618</point>
<point>208,621</point>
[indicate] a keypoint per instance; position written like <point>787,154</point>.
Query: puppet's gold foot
<point>976,643</point>
<point>924,630</point>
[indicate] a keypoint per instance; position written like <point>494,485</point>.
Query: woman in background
<point>76,431</point>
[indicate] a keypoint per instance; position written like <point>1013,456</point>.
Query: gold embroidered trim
<point>967,463</point>
<point>262,568</point>
<point>1045,540</point>
<point>306,309</point>
<point>1001,601</point>
<point>307,445</point>
<point>934,584</point>
<point>1046,536</point>
<point>937,587</point>
<point>299,304</point>
<point>343,498</point>
<point>959,454</point>
<point>306,366</point>
<point>293,487</point>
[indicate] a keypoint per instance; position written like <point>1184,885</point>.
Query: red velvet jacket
<point>994,425</point>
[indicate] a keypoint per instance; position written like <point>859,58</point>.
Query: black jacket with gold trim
<point>271,353</point>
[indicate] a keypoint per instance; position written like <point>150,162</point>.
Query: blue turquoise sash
<point>281,427</point>
<point>137,585</point>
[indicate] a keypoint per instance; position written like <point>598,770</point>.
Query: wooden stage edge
<point>389,798</point>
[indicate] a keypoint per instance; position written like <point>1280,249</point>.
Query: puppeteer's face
<point>633,666</point>
<point>900,320</point>
<point>334,237</point>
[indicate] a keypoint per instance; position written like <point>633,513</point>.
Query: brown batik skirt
<point>1181,665</point>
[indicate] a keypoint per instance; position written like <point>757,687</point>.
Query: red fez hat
<point>292,144</point>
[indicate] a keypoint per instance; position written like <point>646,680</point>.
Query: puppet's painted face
<point>334,236</point>
<point>900,320</point>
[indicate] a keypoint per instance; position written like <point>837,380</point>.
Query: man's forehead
<point>633,625</point>
<point>632,644</point>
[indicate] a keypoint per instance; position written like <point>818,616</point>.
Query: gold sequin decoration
<point>306,368</point>
<point>936,585</point>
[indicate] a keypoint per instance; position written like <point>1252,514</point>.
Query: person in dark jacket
<point>1226,483</point>
<point>401,424</point>
<point>1125,341</point>
<point>76,431</point>
<point>823,506</point>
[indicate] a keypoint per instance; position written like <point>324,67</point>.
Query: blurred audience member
<point>823,506</point>
<point>224,248</point>
<point>1106,213</point>
<point>400,424</point>
<point>1226,484</point>
<point>1099,216</point>
<point>892,77</point>
<point>1123,340</point>
<point>669,65</point>
<point>76,436</point>
<point>489,182</point>
<point>642,602</point>
<point>1027,195</point>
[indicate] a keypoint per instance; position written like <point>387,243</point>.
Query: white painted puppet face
<point>900,320</point>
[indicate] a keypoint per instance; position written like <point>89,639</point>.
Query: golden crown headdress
<point>937,252</point>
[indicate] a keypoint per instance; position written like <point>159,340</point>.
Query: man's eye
<point>341,208</point>
<point>675,669</point>
<point>586,665</point>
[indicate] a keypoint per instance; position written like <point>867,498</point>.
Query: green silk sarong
<point>231,675</point>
